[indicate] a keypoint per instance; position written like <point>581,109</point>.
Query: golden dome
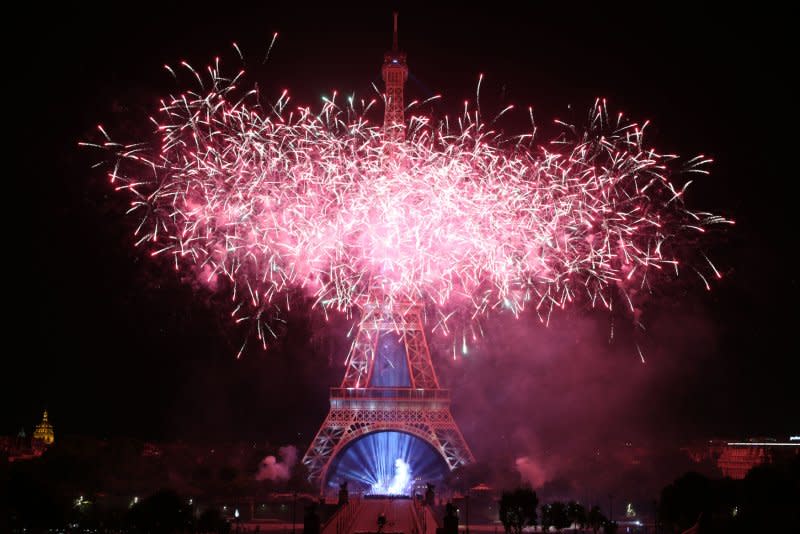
<point>44,431</point>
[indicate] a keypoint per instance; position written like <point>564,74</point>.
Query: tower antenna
<point>394,39</point>
<point>395,74</point>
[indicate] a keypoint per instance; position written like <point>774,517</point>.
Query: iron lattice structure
<point>357,408</point>
<point>395,74</point>
<point>362,405</point>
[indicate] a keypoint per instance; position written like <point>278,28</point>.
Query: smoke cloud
<point>272,469</point>
<point>531,471</point>
<point>575,410</point>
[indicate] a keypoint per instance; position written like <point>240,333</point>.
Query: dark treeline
<point>117,485</point>
<point>74,483</point>
<point>766,500</point>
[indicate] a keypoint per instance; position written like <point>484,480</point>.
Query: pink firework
<point>273,199</point>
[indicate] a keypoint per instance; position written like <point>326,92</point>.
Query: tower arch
<point>370,461</point>
<point>358,407</point>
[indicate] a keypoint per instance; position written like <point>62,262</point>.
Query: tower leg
<point>433,424</point>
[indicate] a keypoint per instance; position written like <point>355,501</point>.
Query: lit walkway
<point>399,514</point>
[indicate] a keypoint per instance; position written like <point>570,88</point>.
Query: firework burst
<point>274,199</point>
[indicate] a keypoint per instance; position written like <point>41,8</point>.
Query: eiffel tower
<point>395,74</point>
<point>386,389</point>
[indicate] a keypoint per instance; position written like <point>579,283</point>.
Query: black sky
<point>112,343</point>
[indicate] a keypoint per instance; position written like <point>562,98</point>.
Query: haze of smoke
<point>578,416</point>
<point>272,469</point>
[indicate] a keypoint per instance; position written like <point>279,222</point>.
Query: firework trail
<point>270,200</point>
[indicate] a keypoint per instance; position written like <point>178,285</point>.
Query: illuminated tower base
<point>389,385</point>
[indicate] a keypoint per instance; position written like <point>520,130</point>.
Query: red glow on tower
<point>410,401</point>
<point>395,74</point>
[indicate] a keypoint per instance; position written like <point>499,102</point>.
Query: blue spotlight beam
<point>376,462</point>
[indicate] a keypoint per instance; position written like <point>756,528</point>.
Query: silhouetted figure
<point>381,522</point>
<point>430,496</point>
<point>344,495</point>
<point>450,519</point>
<point>311,520</point>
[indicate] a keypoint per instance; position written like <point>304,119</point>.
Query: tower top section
<point>395,74</point>
<point>394,58</point>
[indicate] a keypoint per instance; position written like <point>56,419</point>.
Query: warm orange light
<point>44,431</point>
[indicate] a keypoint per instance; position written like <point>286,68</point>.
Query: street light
<point>655,516</point>
<point>294,511</point>
<point>466,518</point>
<point>611,507</point>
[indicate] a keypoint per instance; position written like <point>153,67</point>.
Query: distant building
<point>151,450</point>
<point>736,458</point>
<point>24,447</point>
<point>44,431</point>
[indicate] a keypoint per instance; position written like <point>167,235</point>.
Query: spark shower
<point>263,200</point>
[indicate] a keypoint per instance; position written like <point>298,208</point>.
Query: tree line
<point>766,500</point>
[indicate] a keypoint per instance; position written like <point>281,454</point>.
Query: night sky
<point>114,343</point>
